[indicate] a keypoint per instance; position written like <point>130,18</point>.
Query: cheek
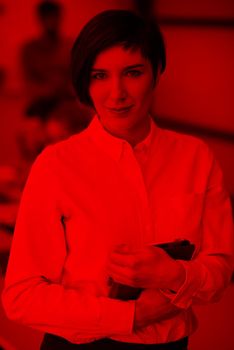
<point>97,94</point>
<point>145,95</point>
<point>93,94</point>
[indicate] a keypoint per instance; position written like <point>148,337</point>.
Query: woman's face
<point>121,88</point>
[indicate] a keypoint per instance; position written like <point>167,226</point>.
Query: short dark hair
<point>108,29</point>
<point>48,8</point>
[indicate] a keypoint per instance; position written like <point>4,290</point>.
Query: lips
<point>120,110</point>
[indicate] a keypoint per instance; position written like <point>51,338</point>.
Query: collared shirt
<point>93,191</point>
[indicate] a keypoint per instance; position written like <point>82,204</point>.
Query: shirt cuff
<point>117,316</point>
<point>183,298</point>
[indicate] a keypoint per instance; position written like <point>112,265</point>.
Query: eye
<point>134,73</point>
<point>98,75</point>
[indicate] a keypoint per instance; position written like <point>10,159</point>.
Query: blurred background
<point>38,107</point>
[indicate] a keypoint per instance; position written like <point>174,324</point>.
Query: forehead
<point>118,56</point>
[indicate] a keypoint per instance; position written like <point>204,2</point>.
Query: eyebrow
<point>138,65</point>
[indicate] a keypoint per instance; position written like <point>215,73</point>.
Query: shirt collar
<point>113,145</point>
<point>144,145</point>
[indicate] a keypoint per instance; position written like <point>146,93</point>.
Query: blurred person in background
<point>9,189</point>
<point>2,80</point>
<point>52,112</point>
<point>45,60</point>
<point>48,121</point>
<point>46,64</point>
<point>97,206</point>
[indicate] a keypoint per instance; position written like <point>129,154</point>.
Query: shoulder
<point>185,151</point>
<point>185,144</point>
<point>191,156</point>
<point>179,138</point>
<point>75,146</point>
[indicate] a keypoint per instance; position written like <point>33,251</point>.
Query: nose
<point>117,90</point>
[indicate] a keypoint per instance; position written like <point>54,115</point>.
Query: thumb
<point>122,248</point>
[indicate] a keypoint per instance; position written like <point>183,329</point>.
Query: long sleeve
<point>33,293</point>
<point>209,273</point>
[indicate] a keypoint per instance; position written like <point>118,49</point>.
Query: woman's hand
<point>152,306</point>
<point>146,267</point>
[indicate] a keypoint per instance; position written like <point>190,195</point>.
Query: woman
<point>95,206</point>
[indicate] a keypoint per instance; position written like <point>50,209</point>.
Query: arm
<point>152,306</point>
<point>209,273</point>
<point>204,278</point>
<point>33,293</point>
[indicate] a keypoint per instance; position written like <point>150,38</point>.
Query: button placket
<point>134,173</point>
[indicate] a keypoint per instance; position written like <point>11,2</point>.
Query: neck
<point>133,135</point>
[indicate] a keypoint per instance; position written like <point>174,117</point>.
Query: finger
<point>119,272</point>
<point>122,249</point>
<point>120,279</point>
<point>127,276</point>
<point>125,260</point>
